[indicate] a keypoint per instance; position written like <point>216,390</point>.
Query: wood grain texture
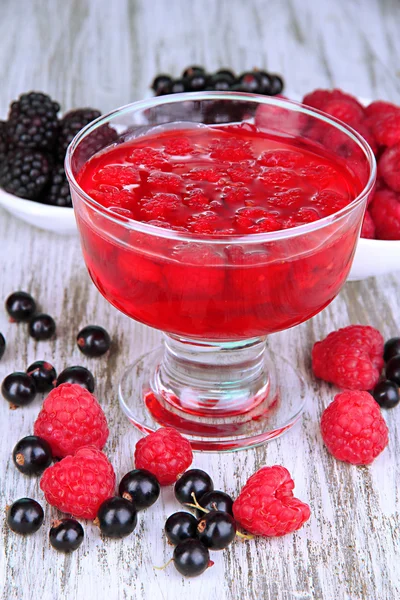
<point>105,54</point>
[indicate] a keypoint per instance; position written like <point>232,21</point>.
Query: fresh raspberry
<point>345,110</point>
<point>276,117</point>
<point>266,505</point>
<point>165,182</point>
<point>148,158</point>
<point>380,108</point>
<point>353,428</point>
<point>368,227</point>
<point>367,134</point>
<point>386,129</point>
<point>385,211</point>
<point>78,484</point>
<point>389,167</point>
<point>255,220</point>
<point>70,419</point>
<point>165,453</point>
<point>351,357</point>
<point>118,175</point>
<point>159,206</point>
<point>320,98</point>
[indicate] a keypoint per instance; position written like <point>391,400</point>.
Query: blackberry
<point>3,140</point>
<point>32,121</point>
<point>96,140</point>
<point>58,192</point>
<point>25,173</point>
<point>70,124</point>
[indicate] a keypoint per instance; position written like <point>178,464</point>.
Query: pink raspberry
<point>389,167</point>
<point>78,484</point>
<point>367,134</point>
<point>320,98</point>
<point>353,428</point>
<point>386,129</point>
<point>266,504</point>
<point>385,212</point>
<point>165,453</point>
<point>351,357</point>
<point>70,419</point>
<point>368,227</point>
<point>348,111</point>
<point>379,108</point>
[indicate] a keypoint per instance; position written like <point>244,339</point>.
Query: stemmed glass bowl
<point>216,299</point>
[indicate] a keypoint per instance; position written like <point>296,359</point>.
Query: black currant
<point>66,535</point>
<point>140,487</point>
<point>216,500</point>
<point>250,82</point>
<point>276,84</point>
<point>117,517</point>
<point>79,375</point>
<point>386,393</point>
<point>25,516</point>
<point>162,84</point>
<point>20,306</point>
<point>180,526</point>
<point>393,369</point>
<point>42,327</point>
<point>265,82</point>
<point>227,74</point>
<point>220,82</point>
<point>32,455</point>
<point>43,374</point>
<point>93,341</point>
<point>178,86</point>
<point>193,481</point>
<point>196,82</point>
<point>391,349</point>
<point>18,388</point>
<point>191,558</point>
<point>2,345</point>
<point>194,70</point>
<point>216,530</point>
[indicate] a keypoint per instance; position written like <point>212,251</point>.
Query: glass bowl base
<point>149,404</point>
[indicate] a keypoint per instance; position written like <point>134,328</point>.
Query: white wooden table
<point>104,54</point>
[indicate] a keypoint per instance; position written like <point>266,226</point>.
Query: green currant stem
<point>196,504</point>
<point>164,566</point>
<point>245,536</point>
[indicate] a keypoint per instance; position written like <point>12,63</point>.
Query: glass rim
<point>250,238</point>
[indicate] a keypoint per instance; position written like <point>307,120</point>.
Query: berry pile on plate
<point>33,142</point>
<point>379,124</point>
<point>197,79</point>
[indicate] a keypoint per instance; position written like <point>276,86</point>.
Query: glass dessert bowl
<point>218,218</point>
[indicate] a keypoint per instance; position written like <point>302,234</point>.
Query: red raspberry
<point>320,98</point>
<point>276,117</point>
<point>280,158</point>
<point>345,110</point>
<point>367,134</point>
<point>109,195</point>
<point>159,206</point>
<point>78,484</point>
<point>380,108</point>
<point>266,505</point>
<point>353,428</point>
<point>235,195</point>
<point>165,182</point>
<point>135,266</point>
<point>232,150</point>
<point>351,357</point>
<point>148,158</point>
<point>389,167</point>
<point>243,173</point>
<point>209,174</point>
<point>178,146</point>
<point>206,268</point>
<point>279,177</point>
<point>386,129</point>
<point>196,198</point>
<point>385,211</point>
<point>255,220</point>
<point>70,419</point>
<point>165,453</point>
<point>368,227</point>
<point>118,175</point>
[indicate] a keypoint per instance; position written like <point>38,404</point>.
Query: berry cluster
<point>379,124</point>
<point>33,143</point>
<point>196,79</point>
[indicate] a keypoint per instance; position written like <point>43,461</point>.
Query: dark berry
<point>2,345</point>
<point>193,481</point>
<point>66,535</point>
<point>117,517</point>
<point>193,70</point>
<point>19,389</point>
<point>178,86</point>
<point>196,82</point>
<point>43,374</point>
<point>25,516</point>
<point>4,145</point>
<point>391,349</point>
<point>276,85</point>
<point>216,500</point>
<point>191,558</point>
<point>25,173</point>
<point>58,192</point>
<point>386,393</point>
<point>180,526</point>
<point>71,123</point>
<point>32,455</point>
<point>228,74</point>
<point>20,306</point>
<point>250,82</point>
<point>216,530</point>
<point>265,82</point>
<point>220,82</point>
<point>33,122</point>
<point>42,327</point>
<point>393,369</point>
<point>93,341</point>
<point>162,85</point>
<point>140,487</point>
<point>79,375</point>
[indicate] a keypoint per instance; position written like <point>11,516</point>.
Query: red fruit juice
<point>201,272</point>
